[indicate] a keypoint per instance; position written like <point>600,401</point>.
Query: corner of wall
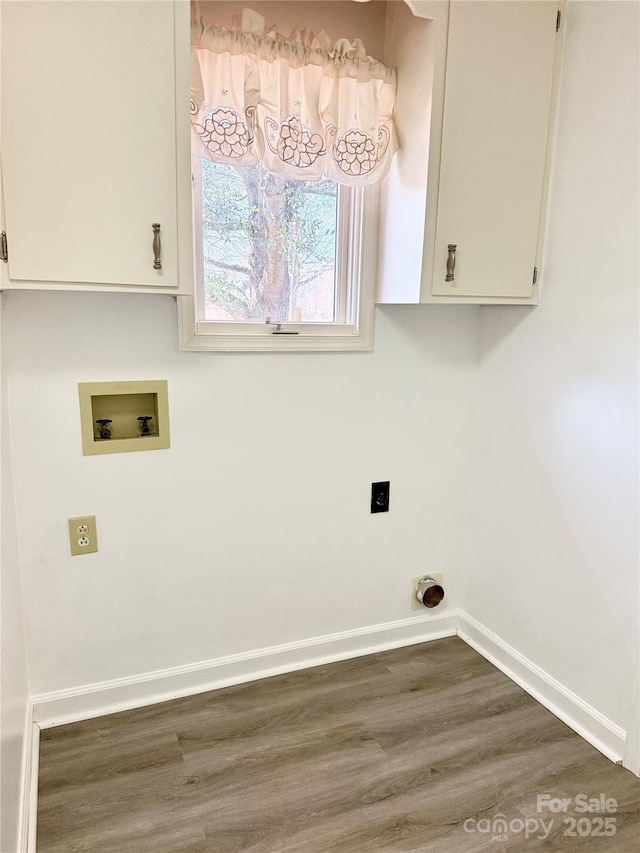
<point>15,707</point>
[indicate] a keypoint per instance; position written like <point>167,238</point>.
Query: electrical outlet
<point>380,497</point>
<point>415,604</point>
<point>83,535</point>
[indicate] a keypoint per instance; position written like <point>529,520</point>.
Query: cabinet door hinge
<point>535,274</point>
<point>4,251</point>
<point>558,17</point>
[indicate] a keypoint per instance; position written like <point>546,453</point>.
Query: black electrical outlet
<point>380,497</point>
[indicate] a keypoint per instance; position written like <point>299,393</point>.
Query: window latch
<point>277,328</point>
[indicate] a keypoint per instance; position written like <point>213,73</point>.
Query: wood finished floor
<point>389,753</point>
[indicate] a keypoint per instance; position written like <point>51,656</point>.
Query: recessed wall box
<point>135,414</point>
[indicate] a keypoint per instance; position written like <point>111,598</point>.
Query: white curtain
<point>302,107</point>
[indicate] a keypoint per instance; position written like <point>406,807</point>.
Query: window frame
<point>356,261</point>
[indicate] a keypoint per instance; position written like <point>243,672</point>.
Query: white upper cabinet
<point>96,147</point>
<point>489,71</point>
<point>90,141</point>
<point>498,87</point>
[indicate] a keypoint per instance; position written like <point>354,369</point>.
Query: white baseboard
<point>93,700</point>
<point>29,784</point>
<point>601,732</point>
<point>32,789</point>
<point>65,706</point>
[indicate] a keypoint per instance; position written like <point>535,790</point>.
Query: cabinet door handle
<point>451,262</point>
<point>157,246</point>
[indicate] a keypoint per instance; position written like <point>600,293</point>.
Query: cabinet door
<point>500,64</point>
<point>89,140</point>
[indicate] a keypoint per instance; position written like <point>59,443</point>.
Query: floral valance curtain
<point>302,107</point>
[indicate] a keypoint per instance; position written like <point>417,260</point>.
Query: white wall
<point>14,677</point>
<point>254,528</point>
<point>340,18</point>
<point>14,683</point>
<point>552,559</point>
<point>411,45</point>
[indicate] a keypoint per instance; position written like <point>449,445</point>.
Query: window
<point>289,140</point>
<point>278,258</point>
<point>325,250</point>
<point>269,247</point>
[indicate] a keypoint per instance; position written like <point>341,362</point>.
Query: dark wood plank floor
<point>391,753</point>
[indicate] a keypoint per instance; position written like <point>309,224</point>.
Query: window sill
<point>199,336</point>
